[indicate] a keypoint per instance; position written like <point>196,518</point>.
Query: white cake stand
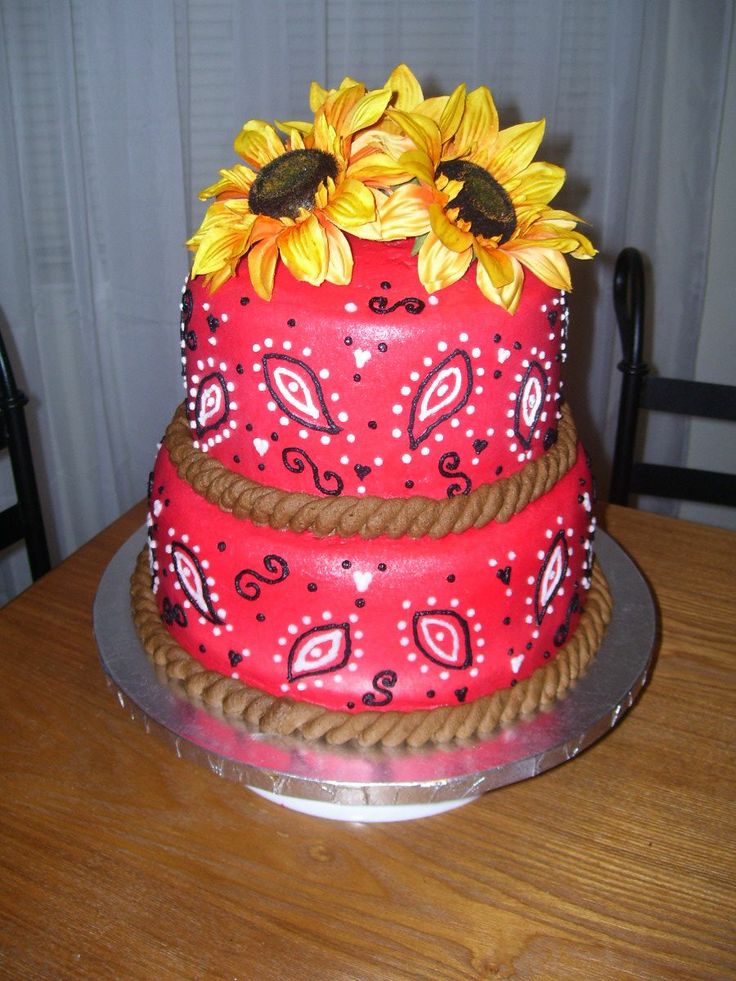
<point>380,784</point>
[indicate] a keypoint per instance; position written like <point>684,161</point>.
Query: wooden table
<point>119,860</point>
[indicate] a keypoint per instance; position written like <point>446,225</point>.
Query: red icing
<point>459,387</point>
<point>373,388</point>
<point>389,619</point>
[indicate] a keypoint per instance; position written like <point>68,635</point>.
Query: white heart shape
<point>516,663</point>
<point>361,357</point>
<point>362,580</point>
<point>503,355</point>
<point>261,446</point>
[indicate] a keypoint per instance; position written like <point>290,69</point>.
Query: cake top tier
<point>388,164</point>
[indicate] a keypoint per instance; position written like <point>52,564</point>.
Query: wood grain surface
<point>119,860</point>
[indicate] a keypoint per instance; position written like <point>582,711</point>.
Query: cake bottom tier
<point>355,629</point>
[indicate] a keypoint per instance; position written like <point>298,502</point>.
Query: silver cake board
<point>381,784</point>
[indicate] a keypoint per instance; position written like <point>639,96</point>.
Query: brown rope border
<point>284,717</point>
<point>368,516</point>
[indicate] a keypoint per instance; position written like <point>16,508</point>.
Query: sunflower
<point>300,198</point>
<point>479,195</point>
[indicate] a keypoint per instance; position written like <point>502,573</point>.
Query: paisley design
<point>291,457</point>
<point>193,581</point>
<point>212,404</point>
<point>551,575</point>
<point>442,393</point>
<point>274,564</point>
<point>296,389</point>
<point>320,650</point>
<point>443,637</point>
<point>529,403</point>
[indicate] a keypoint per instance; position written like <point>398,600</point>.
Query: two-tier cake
<point>371,519</point>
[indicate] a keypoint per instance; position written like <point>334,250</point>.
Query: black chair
<point>640,390</point>
<point>23,521</point>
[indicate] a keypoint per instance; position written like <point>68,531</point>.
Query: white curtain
<point>114,113</point>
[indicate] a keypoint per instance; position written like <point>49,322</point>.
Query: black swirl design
<point>574,606</point>
<point>412,304</point>
<point>274,564</point>
<point>173,613</point>
<point>187,305</point>
<point>291,457</point>
<point>448,467</point>
<point>188,337</point>
<point>382,683</point>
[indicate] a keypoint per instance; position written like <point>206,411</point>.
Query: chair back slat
<point>642,390</point>
<point>22,521</point>
<point>690,398</point>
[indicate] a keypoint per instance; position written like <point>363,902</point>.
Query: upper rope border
<point>368,517</point>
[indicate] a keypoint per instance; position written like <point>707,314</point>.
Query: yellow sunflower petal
<point>404,214</point>
<point>433,108</point>
<point>222,214</point>
<point>378,169</point>
<point>419,165</point>
<point>262,266</point>
<point>507,296</point>
<point>424,132</point>
<point>213,281</point>
<point>537,184</point>
<point>498,266</point>
<point>339,105</point>
<point>449,234</point>
<point>514,149</point>
<point>234,180</point>
<point>222,244</point>
<point>303,249</point>
<point>367,111</point>
<point>452,114</point>
<point>325,137</point>
<point>266,227</point>
<point>547,264</point>
<point>351,205</point>
<point>404,85</point>
<point>339,257</point>
<point>554,236</point>
<point>286,126</point>
<point>216,251</point>
<point>439,266</point>
<point>296,141</point>
<point>317,96</point>
<point>258,143</point>
<point>478,126</point>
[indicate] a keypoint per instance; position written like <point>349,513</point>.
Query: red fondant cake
<point>372,506</point>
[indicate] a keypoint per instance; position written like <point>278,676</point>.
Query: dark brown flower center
<point>482,202</point>
<point>290,182</point>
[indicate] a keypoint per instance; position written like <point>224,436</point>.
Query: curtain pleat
<point>115,113</point>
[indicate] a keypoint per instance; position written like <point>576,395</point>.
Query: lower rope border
<point>285,717</point>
